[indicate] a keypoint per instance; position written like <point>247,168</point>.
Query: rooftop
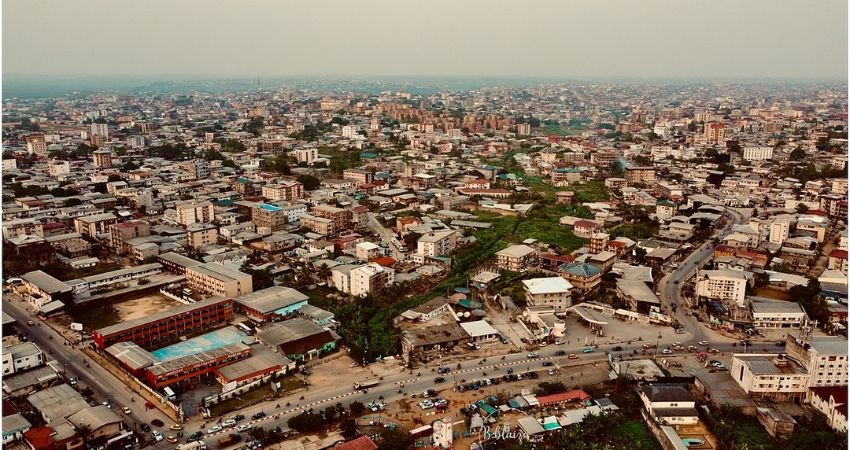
<point>271,299</point>
<point>549,285</point>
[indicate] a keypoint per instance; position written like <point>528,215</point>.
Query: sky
<point>751,39</point>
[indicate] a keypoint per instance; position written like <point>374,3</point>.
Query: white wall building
<point>550,291</point>
<point>769,376</point>
<point>21,357</point>
<point>728,285</point>
<point>758,153</point>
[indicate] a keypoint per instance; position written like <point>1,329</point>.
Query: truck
<point>197,445</point>
<point>229,439</point>
<point>366,383</point>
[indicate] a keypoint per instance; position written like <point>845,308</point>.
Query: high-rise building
<point>715,132</point>
<point>100,129</point>
<point>102,159</point>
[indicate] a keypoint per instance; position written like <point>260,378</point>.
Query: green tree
<point>394,439</point>
<point>802,208</point>
<point>348,427</point>
<point>798,154</point>
<point>310,182</point>
<point>357,408</point>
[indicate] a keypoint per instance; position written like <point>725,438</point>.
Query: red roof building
<point>360,443</point>
<point>564,397</point>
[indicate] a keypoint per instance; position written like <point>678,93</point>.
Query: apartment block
<point>195,212</point>
<point>285,190</point>
<point>215,279</point>
<point>200,235</point>
<point>726,285</point>
<point>437,243</point>
<point>642,175</point>
<point>370,277</point>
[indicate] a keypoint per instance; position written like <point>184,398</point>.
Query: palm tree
<point>83,430</point>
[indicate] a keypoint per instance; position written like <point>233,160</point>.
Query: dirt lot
<point>143,306</point>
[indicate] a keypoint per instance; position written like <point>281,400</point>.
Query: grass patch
<point>592,191</point>
<point>319,296</point>
<point>635,431</point>
<point>635,231</point>
<point>542,223</point>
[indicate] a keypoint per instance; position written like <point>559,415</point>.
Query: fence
<point>665,434</point>
<point>316,362</point>
<point>218,398</point>
<point>171,410</point>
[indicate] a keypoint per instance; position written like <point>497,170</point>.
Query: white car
<point>702,342</point>
<point>532,355</point>
<point>228,423</point>
<point>666,351</point>
<point>157,435</point>
<point>244,427</point>
<point>214,429</point>
<point>426,404</point>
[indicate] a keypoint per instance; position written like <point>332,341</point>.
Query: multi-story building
<point>100,129</point>
<point>523,129</point>
<point>553,292</point>
<point>285,190</point>
<point>768,313</point>
<point>36,144</point>
<point>94,224</point>
<point>341,217</point>
<point>832,403</point>
<point>640,175</point>
<point>307,155</point>
<point>119,233</point>
<point>194,367</point>
<point>727,285</point>
<point>102,159</point>
<point>371,277</point>
<point>269,216</point>
<point>825,358</point>
<point>200,235</point>
<point>20,357</point>
<point>58,168</point>
<point>599,242</point>
<point>780,228</point>
<point>715,132</point>
<point>215,279</point>
<point>516,258</point>
<point>166,327</point>
<point>770,377</point>
<point>359,175</point>
<point>672,404</point>
<point>22,227</point>
<point>437,243</point>
<point>318,225</point>
<point>194,212</point>
<point>760,153</point>
<point>604,159</point>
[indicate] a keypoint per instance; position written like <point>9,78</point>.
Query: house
<point>551,291</point>
<point>582,276</point>
<point>585,228</point>
<point>22,357</point>
<point>437,243</point>
<point>516,258</point>
<point>480,331</point>
<point>637,295</point>
<point>669,404</point>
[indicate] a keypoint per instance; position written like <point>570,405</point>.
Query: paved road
<point>419,381</point>
<point>102,383</point>
<point>671,284</point>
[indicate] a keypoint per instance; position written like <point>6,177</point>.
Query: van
<point>169,394</point>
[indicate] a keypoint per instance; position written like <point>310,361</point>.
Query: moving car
<point>666,351</point>
<point>548,363</point>
<point>532,355</point>
<point>30,322</point>
<point>702,342</point>
<point>228,423</point>
<point>572,356</point>
<point>145,427</point>
<point>616,348</point>
<point>259,415</point>
<point>439,380</point>
<point>171,439</point>
<point>176,427</point>
<point>126,410</point>
<point>587,350</point>
<point>244,427</point>
<point>560,353</point>
<point>157,435</point>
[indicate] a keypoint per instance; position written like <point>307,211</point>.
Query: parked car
<point>617,348</point>
<point>443,370</point>
<point>145,427</point>
<point>560,353</point>
<point>702,342</point>
<point>258,415</point>
<point>243,427</point>
<point>439,380</point>
<point>157,435</point>
<point>548,364</point>
<point>238,417</point>
<point>214,429</point>
<point>228,423</point>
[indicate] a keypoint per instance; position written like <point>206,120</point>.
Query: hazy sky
<point>567,38</point>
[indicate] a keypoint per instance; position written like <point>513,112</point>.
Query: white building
<point>551,291</point>
<point>349,131</point>
<point>770,313</point>
<point>824,357</point>
<point>437,243</point>
<point>672,404</point>
<point>769,376</point>
<point>307,155</point>
<point>370,277</point>
<point>21,357</point>
<point>780,228</point>
<point>760,153</point>
<point>100,129</point>
<point>195,212</point>
<point>728,285</point>
<point>365,251</point>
